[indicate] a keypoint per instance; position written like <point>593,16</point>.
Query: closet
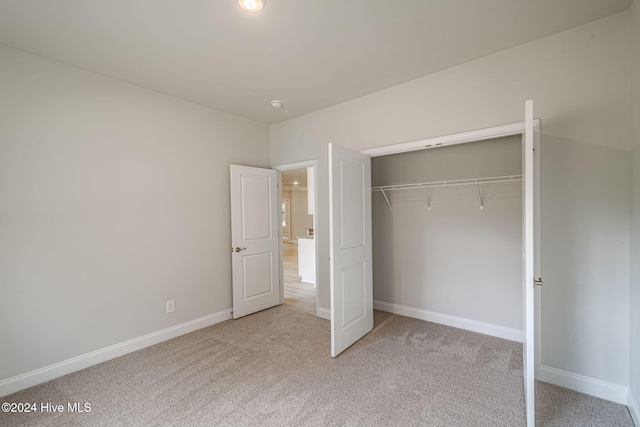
<point>447,235</point>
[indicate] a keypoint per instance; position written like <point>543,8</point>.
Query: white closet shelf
<point>434,184</point>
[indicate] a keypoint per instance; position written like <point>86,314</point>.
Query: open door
<point>529,191</point>
<point>350,247</point>
<point>255,239</point>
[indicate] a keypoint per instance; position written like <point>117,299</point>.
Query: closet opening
<point>472,273</point>
<point>447,235</point>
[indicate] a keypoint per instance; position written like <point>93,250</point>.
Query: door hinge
<point>537,281</point>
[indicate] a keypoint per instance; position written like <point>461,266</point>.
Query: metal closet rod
<point>434,184</point>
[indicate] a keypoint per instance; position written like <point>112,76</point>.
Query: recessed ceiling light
<point>276,103</point>
<point>252,5</point>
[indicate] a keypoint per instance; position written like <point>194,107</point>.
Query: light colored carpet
<point>557,406</point>
<point>273,368</point>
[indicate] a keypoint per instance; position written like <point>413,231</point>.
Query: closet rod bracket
<point>386,198</point>
<point>480,195</point>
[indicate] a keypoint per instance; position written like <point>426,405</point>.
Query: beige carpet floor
<point>273,368</point>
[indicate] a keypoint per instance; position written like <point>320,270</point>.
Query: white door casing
<point>286,221</point>
<point>350,247</point>
<point>255,215</point>
<point>528,261</point>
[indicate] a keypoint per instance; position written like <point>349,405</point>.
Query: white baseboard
<point>454,321</point>
<point>587,385</point>
<point>324,313</point>
<point>47,373</point>
<point>634,409</point>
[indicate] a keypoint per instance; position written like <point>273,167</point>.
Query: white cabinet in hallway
<point>307,259</point>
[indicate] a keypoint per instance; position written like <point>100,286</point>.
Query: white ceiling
<point>310,54</point>
<point>295,175</point>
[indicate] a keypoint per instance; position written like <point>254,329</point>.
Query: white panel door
<point>528,257</point>
<point>255,239</point>
<point>350,247</point>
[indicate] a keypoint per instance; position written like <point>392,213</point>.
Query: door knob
<point>237,249</point>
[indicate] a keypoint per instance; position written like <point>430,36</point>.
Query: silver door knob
<point>537,281</point>
<point>237,249</point>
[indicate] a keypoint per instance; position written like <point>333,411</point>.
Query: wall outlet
<point>171,305</point>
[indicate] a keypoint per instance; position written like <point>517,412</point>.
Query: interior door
<point>350,247</point>
<point>255,239</point>
<point>529,182</point>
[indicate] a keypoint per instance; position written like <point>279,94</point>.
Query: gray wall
<point>114,199</point>
<point>580,81</point>
<point>585,257</point>
<point>452,258</point>
<point>635,215</point>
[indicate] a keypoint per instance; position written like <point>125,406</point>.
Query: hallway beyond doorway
<point>297,294</point>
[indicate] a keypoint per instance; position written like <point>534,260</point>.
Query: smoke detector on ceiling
<point>276,103</point>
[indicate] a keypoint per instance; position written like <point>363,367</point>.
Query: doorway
<point>298,227</point>
<point>530,131</point>
<point>448,235</point>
